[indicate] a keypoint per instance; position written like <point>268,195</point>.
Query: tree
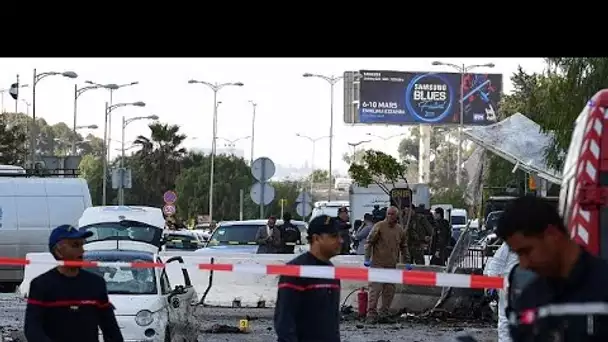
<point>454,196</point>
<point>319,177</point>
<point>12,143</point>
<point>232,175</point>
<point>91,169</point>
<point>379,168</point>
<point>158,162</point>
<point>287,191</point>
<point>349,158</point>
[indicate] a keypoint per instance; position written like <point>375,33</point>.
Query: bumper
<point>131,332</point>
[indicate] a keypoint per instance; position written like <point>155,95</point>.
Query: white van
<point>29,209</point>
<point>459,220</point>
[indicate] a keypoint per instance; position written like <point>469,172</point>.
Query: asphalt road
<point>412,329</point>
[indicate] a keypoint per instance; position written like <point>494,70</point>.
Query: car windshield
<point>178,241</point>
<point>244,234</point>
<point>123,280</point>
<point>124,230</point>
<point>458,220</point>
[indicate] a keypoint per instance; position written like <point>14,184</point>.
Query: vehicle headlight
<point>144,318</point>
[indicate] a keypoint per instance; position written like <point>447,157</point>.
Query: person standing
<point>344,228</point>
<point>290,235</point>
<point>67,303</point>
<point>419,232</point>
<point>308,309</point>
<point>386,241</point>
<point>363,233</point>
<point>268,237</point>
<point>500,265</point>
<point>443,233</point>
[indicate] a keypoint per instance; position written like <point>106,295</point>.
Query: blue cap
<point>67,231</point>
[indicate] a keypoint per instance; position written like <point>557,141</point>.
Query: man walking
<point>419,233</point>
<point>344,228</point>
<point>386,241</point>
<point>268,237</point>
<point>443,233</point>
<point>308,309</point>
<point>363,233</point>
<point>68,304</point>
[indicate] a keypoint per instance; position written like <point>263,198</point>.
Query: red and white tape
<point>379,275</point>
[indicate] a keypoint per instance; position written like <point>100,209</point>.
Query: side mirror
<point>519,278</point>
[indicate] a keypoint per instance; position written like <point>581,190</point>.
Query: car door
<point>182,293</point>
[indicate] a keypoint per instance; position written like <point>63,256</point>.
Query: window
<point>185,242</point>
<point>241,234</point>
<point>165,286</point>
<point>124,230</point>
<point>458,220</point>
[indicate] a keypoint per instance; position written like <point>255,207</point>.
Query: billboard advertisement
<point>411,98</point>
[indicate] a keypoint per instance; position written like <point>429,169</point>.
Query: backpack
<point>291,233</point>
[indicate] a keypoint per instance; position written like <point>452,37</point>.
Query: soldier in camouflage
<point>419,232</point>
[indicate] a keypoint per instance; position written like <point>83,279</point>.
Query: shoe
<point>371,319</point>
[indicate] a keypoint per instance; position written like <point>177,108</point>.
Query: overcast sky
<point>287,102</point>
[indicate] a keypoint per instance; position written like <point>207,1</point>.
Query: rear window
<point>458,220</point>
<point>234,234</point>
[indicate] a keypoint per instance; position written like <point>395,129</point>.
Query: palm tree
<point>160,160</point>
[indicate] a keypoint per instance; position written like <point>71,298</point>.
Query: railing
<point>66,173</point>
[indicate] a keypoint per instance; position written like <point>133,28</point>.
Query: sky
<point>287,103</point>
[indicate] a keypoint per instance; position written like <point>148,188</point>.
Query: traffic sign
<point>303,209</point>
<point>170,196</point>
<point>169,209</point>
<point>262,193</point>
<point>304,197</point>
<point>263,169</point>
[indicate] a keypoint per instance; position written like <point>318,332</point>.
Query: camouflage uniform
<point>443,235</point>
<point>418,230</point>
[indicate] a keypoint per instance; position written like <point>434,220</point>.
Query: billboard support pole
<point>460,127</point>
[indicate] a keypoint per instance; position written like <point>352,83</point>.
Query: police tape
<point>376,275</point>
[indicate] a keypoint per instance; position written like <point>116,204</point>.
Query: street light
<point>463,70</point>
<point>332,80</point>
<point>354,146</point>
<point>252,131</point>
<point>385,138</point>
<point>215,87</point>
<point>27,105</point>
<point>107,139</point>
<point>77,93</point>
<point>312,160</point>
<point>87,127</point>
<point>2,91</point>
<point>125,122</point>
<point>108,111</point>
<point>232,142</point>
<point>37,78</point>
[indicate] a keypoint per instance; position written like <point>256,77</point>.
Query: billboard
<point>411,98</point>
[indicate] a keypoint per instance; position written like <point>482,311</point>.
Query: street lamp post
<point>332,80</point>
<point>2,91</point>
<point>252,131</point>
<point>354,146</point>
<point>385,138</point>
<point>463,69</point>
<point>215,87</point>
<point>107,139</point>
<point>37,78</point>
<point>77,93</point>
<point>312,160</point>
<point>107,112</point>
<point>231,143</point>
<point>125,122</point>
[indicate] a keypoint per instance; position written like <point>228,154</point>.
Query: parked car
<point>187,240</point>
<point>239,237</point>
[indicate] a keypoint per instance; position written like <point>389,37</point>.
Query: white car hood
<point>120,244</point>
<point>130,305</point>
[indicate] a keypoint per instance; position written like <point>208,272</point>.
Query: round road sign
<point>169,209</point>
<point>170,196</point>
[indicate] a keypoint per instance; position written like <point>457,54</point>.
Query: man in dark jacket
<point>344,229</point>
<point>290,235</point>
<point>68,304</point>
<point>443,233</point>
<point>268,237</point>
<point>308,309</point>
<point>568,299</point>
